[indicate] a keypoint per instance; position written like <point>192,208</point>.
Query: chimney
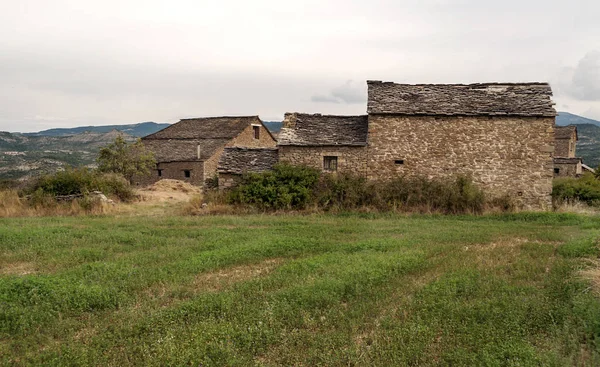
<point>289,120</point>
<point>199,151</point>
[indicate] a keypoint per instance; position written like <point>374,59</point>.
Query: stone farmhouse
<point>190,149</point>
<point>565,161</point>
<point>502,135</point>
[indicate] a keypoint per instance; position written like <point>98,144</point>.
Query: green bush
<point>290,187</point>
<point>584,189</point>
<point>80,181</point>
<point>286,187</point>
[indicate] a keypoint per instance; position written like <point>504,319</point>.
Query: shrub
<point>80,181</point>
<point>569,190</point>
<point>286,187</point>
<point>126,159</point>
<point>343,192</point>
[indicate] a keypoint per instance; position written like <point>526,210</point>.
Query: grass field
<point>326,290</point>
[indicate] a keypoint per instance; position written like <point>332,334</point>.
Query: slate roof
<point>490,99</point>
<point>180,141</point>
<point>565,132</point>
<point>206,128</point>
<point>301,129</point>
<point>564,160</point>
<point>239,160</point>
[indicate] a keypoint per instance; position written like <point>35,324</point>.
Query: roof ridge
<point>461,84</point>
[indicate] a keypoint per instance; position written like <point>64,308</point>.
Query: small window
<point>557,170</point>
<point>256,130</point>
<point>187,173</point>
<point>399,161</point>
<point>330,163</point>
<point>159,172</point>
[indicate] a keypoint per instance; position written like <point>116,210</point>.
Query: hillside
<point>588,145</point>
<point>137,130</point>
<point>565,118</point>
<point>23,156</point>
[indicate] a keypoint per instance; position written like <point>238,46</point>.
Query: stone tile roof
<point>239,160</point>
<point>491,99</point>
<point>561,160</point>
<point>565,132</point>
<point>323,130</point>
<point>180,141</point>
<point>173,150</point>
<point>206,128</point>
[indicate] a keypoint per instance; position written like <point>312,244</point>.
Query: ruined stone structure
<point>190,149</point>
<point>326,142</point>
<point>565,162</point>
<point>502,135</point>
<point>236,161</point>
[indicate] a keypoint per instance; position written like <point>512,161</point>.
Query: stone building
<point>236,161</point>
<point>565,162</point>
<point>326,142</point>
<point>502,135</point>
<point>190,149</point>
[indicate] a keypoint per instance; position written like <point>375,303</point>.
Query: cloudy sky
<point>82,62</point>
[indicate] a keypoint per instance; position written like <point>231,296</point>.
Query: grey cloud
<point>348,93</point>
<point>583,81</point>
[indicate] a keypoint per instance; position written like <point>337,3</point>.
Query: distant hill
<point>25,155</point>
<point>588,131</point>
<point>273,126</point>
<point>565,118</point>
<point>137,130</point>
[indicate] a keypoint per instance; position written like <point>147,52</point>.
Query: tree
<point>127,159</point>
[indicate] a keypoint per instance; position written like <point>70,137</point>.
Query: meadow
<point>329,290</point>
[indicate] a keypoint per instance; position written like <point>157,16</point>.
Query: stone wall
<point>569,167</point>
<point>244,139</point>
<point>565,147</point>
<point>350,159</point>
<point>228,180</point>
<point>504,155</point>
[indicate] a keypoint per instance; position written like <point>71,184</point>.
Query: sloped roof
<point>206,128</point>
<point>238,160</point>
<point>180,141</point>
<point>183,149</point>
<point>489,99</point>
<point>565,160</point>
<point>323,130</point>
<point>565,132</point>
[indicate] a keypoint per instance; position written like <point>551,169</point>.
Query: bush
<point>289,187</point>
<point>569,190</point>
<point>286,187</point>
<point>80,181</point>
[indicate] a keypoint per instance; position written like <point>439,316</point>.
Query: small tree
<point>127,159</point>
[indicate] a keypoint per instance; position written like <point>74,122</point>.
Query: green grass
<point>299,290</point>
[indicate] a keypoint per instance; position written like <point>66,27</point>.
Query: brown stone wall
<point>174,170</point>
<point>565,147</point>
<point>350,159</point>
<point>504,155</point>
<point>244,139</point>
<point>228,180</point>
<point>567,169</point>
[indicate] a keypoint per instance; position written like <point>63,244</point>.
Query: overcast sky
<point>80,62</point>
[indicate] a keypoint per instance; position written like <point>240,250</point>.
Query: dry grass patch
<point>17,268</point>
<point>215,281</point>
<point>592,274</point>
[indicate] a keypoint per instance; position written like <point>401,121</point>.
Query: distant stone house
<point>326,142</point>
<point>502,135</point>
<point>190,149</point>
<point>565,162</point>
<point>236,161</point>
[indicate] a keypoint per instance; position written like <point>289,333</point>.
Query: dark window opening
<point>399,161</point>
<point>256,132</point>
<point>187,173</point>
<point>557,170</point>
<point>520,193</point>
<point>159,172</point>
<point>330,163</point>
